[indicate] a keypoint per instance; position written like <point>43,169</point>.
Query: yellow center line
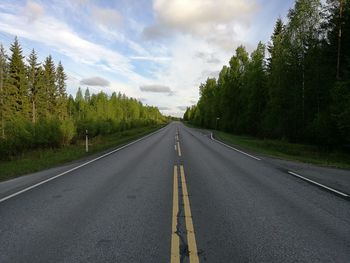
<point>175,242</point>
<point>178,148</point>
<point>191,239</point>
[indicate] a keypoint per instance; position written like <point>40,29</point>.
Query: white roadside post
<point>216,123</point>
<point>86,141</point>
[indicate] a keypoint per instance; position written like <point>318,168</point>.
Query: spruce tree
<point>278,97</point>
<point>3,80</point>
<point>34,83</point>
<point>61,78</point>
<point>87,95</point>
<point>18,85</point>
<point>79,102</point>
<point>51,92</point>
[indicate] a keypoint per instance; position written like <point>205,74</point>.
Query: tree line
<point>36,111</point>
<point>296,88</point>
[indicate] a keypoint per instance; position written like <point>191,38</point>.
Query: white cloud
<point>33,10</point>
<point>109,24</point>
<point>182,108</point>
<point>61,37</point>
<point>95,81</point>
<point>143,100</point>
<point>209,74</point>
<point>150,58</point>
<point>200,36</point>
<point>184,72</point>
<point>155,88</point>
<point>164,108</point>
<point>219,22</point>
<point>210,58</point>
<point>107,17</point>
<point>191,40</point>
<point>193,15</point>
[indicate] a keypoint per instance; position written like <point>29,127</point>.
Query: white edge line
<point>316,183</point>
<point>77,167</point>
<point>247,154</point>
<point>290,172</point>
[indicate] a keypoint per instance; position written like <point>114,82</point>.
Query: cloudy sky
<point>156,51</point>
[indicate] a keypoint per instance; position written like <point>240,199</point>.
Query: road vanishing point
<point>177,195</point>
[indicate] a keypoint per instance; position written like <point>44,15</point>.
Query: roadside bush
<point>48,133</point>
<point>18,138</point>
<point>23,135</point>
<point>68,131</point>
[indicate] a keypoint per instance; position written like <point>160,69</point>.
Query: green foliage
<point>42,158</point>
<point>300,93</point>
<point>36,113</point>
<point>289,151</point>
<point>51,92</point>
<point>35,85</point>
<point>68,131</point>
<point>25,135</point>
<point>102,115</point>
<point>340,110</point>
<point>16,86</point>
<point>61,95</point>
<point>4,109</point>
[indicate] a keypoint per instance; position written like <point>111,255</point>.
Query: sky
<point>157,51</point>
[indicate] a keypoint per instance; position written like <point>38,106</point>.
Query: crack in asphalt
<point>181,229</point>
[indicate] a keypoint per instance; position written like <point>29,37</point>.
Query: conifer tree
<point>18,88</point>
<point>277,102</point>
<point>3,80</point>
<point>51,92</point>
<point>79,102</point>
<point>61,78</point>
<point>34,84</point>
<point>87,95</point>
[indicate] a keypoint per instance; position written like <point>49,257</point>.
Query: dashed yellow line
<point>178,148</point>
<point>175,242</point>
<point>191,239</point>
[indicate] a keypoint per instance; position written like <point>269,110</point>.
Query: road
<point>175,196</point>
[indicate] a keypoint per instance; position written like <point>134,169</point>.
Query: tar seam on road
<point>247,154</point>
<point>175,242</point>
<point>191,239</point>
<point>318,184</point>
<point>75,168</point>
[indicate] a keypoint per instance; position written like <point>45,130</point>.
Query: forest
<point>295,88</point>
<point>37,113</point>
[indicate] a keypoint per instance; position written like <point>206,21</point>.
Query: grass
<point>284,150</point>
<point>287,151</point>
<point>37,160</point>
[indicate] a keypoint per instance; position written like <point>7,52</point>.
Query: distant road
<point>174,196</point>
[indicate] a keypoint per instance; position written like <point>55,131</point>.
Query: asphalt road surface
<point>174,196</point>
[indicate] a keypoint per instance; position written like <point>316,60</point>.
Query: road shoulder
<point>338,179</point>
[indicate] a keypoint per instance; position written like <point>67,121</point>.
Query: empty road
<point>174,196</point>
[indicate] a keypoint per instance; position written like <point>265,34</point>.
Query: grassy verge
<point>37,160</point>
<point>288,151</point>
